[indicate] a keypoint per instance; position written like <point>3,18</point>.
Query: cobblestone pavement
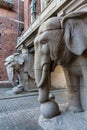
<point>21,112</point>
<point>17,104</point>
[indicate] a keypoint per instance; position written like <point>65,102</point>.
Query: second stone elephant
<point>63,41</point>
<point>21,65</point>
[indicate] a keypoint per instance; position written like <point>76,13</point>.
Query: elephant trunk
<point>41,76</point>
<point>10,73</point>
<point>42,80</point>
<point>41,68</point>
<point>37,66</point>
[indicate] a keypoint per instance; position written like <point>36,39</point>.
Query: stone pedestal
<point>66,121</point>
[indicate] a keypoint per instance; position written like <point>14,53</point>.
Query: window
<point>33,10</point>
<point>9,1</point>
<point>44,4</point>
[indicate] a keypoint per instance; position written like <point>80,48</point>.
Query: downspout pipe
<point>18,16</point>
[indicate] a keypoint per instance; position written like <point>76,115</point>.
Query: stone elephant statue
<point>20,65</point>
<point>62,41</point>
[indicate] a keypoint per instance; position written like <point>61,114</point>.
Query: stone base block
<point>66,121</point>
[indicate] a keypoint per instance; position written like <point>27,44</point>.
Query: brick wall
<point>38,7</point>
<point>8,34</point>
<point>26,14</point>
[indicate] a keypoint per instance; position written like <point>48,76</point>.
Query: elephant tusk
<point>39,86</point>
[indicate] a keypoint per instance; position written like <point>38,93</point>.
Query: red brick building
<point>11,24</point>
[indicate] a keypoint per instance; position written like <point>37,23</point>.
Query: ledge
<point>51,8</point>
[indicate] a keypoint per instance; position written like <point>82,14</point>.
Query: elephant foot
<point>49,109</point>
<point>26,88</point>
<point>75,109</point>
<point>16,90</point>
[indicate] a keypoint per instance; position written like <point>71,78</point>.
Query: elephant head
<point>47,42</point>
<point>12,63</point>
<point>63,37</point>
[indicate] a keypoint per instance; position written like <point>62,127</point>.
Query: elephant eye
<point>43,41</point>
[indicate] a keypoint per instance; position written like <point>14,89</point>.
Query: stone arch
<point>58,78</point>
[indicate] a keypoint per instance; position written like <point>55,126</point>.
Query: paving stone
<point>20,120</point>
<point>15,104</point>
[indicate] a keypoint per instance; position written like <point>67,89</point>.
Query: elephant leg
<point>73,84</point>
<point>26,81</point>
<point>83,91</point>
<point>19,79</point>
<point>74,94</point>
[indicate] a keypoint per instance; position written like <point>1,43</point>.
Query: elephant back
<point>74,15</point>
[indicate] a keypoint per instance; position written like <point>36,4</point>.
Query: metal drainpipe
<point>18,16</point>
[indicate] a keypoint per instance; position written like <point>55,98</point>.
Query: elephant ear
<point>8,60</point>
<point>19,58</point>
<point>75,34</point>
